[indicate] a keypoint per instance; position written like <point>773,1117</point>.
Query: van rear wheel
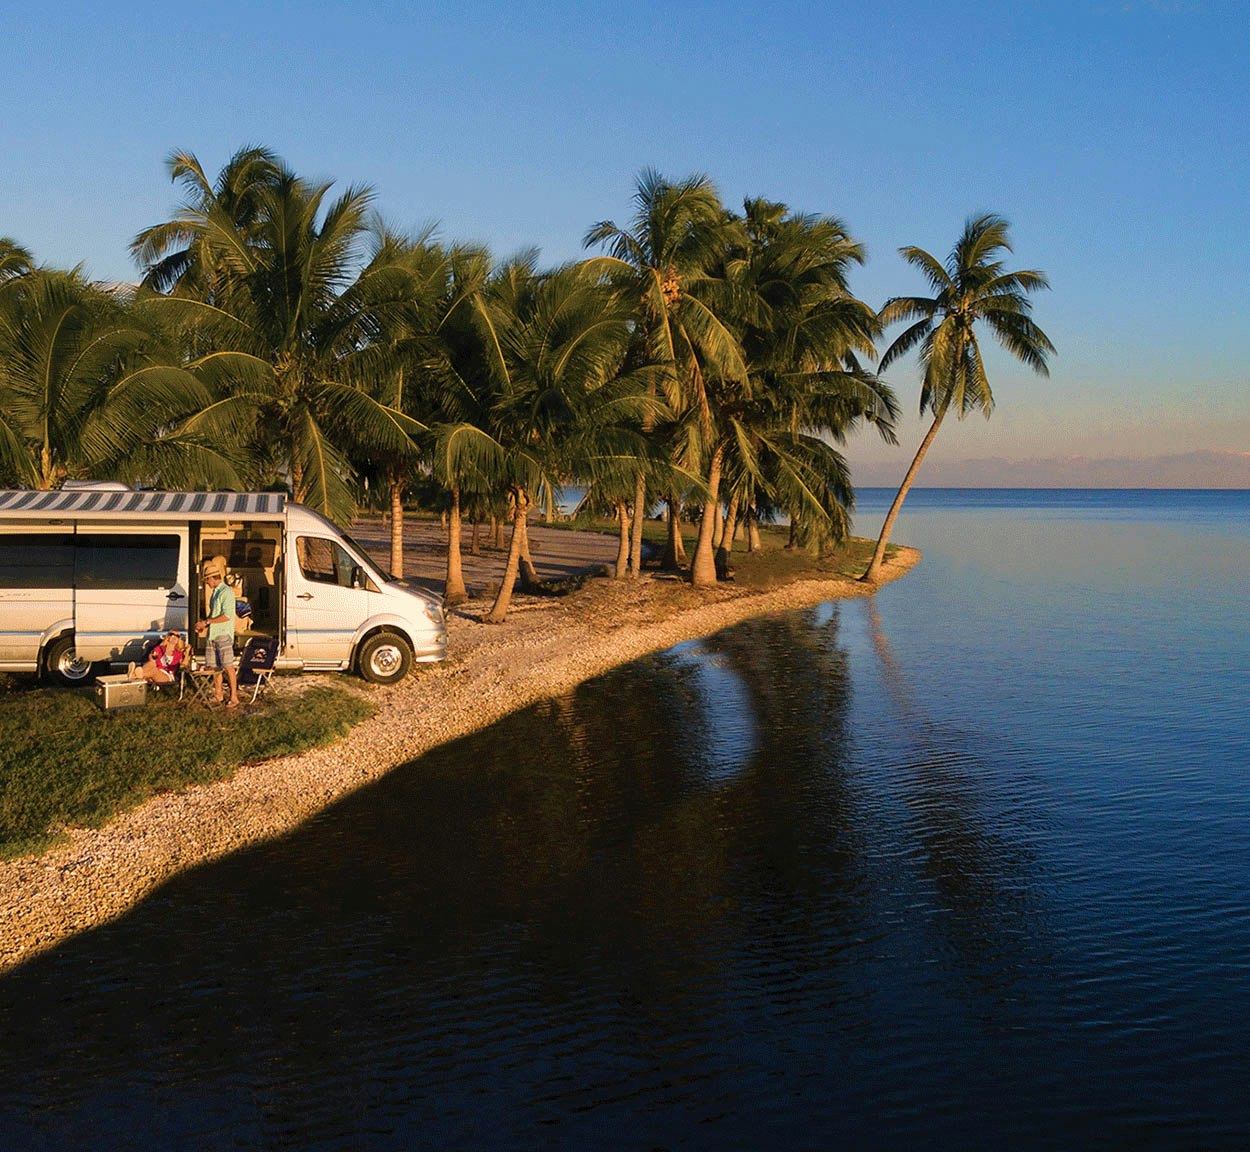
<point>64,664</point>
<point>385,658</point>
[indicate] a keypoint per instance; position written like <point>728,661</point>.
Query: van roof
<point>25,504</point>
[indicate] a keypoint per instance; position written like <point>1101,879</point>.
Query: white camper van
<point>90,576</point>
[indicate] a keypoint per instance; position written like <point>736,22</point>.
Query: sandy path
<point>547,647</point>
<point>557,552</point>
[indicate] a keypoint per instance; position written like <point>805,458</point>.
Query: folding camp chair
<point>256,664</point>
<point>165,688</point>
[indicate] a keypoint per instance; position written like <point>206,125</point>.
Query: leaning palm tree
<point>973,287</point>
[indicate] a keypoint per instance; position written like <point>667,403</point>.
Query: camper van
<point>91,576</point>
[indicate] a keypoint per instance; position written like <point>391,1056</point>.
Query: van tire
<point>63,664</point>
<point>384,658</point>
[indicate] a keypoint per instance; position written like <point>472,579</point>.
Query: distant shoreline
<point>891,490</point>
<point>547,648</point>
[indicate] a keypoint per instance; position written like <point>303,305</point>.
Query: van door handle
<point>304,596</point>
<point>174,596</point>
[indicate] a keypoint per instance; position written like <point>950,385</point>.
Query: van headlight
<point>433,612</point>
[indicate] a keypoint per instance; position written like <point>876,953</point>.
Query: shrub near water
<point>63,761</point>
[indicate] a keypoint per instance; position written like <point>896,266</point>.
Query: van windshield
<point>362,554</point>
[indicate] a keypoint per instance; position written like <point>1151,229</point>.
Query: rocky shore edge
<point>547,648</point>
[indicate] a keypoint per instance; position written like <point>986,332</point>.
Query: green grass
<point>772,565</point>
<point>65,762</point>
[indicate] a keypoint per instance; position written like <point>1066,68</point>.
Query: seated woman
<point>162,664</point>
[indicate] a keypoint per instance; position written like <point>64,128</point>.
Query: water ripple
<point>965,865</point>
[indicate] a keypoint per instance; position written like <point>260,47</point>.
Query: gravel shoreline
<point>547,648</point>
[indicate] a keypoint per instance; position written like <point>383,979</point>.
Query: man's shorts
<point>219,653</point>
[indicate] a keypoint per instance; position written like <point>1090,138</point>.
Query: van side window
<point>37,560</point>
<point>105,561</point>
<point>324,561</point>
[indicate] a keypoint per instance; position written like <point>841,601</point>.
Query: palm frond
<point>938,277</point>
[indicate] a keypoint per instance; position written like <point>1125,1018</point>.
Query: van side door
<point>328,597</point>
<point>129,587</point>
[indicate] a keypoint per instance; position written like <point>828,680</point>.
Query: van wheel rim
<point>72,666</point>
<point>386,660</point>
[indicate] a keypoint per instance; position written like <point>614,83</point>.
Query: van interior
<point>253,553</point>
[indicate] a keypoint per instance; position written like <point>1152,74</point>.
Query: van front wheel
<point>64,664</point>
<point>385,658</point>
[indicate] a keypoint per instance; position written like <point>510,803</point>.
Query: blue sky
<point>1114,136</point>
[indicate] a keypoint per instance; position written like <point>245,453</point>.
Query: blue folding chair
<point>256,664</point>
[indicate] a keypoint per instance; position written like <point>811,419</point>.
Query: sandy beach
<point>547,647</point>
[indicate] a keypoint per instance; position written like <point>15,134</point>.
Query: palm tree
<point>972,287</point>
<point>801,331</point>
<point>174,255</point>
<point>664,260</point>
<point>292,314</point>
<point>460,376</point>
<point>398,361</point>
<point>87,388</point>
<point>565,403</point>
<point>14,259</point>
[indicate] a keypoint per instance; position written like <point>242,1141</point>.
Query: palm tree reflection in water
<point>987,902</point>
<point>575,921</point>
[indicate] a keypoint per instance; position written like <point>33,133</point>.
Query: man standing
<point>219,624</point>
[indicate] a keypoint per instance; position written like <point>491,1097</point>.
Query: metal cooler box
<point>120,691</point>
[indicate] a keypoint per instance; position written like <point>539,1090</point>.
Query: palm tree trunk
<point>474,547</point>
<point>635,540</point>
<point>640,497</point>
<point>753,530</point>
<point>622,547</point>
<point>496,529</point>
<point>500,608</point>
<point>530,580</point>
<point>793,542</point>
<point>725,547</point>
<point>878,556</point>
<point>674,550</point>
<point>453,587</point>
<point>703,567</point>
<point>397,522</point>
<point>718,529</point>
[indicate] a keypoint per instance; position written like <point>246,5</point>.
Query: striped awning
<point>92,505</point>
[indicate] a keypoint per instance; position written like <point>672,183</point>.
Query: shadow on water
<point>668,908</point>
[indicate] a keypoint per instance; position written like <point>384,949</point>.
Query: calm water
<point>963,866</point>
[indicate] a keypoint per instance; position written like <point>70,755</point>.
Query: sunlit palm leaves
<point>801,332</point>
<point>86,387</point>
<point>565,402</point>
<point>275,283</point>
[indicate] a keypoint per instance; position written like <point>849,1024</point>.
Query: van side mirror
<point>358,576</point>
